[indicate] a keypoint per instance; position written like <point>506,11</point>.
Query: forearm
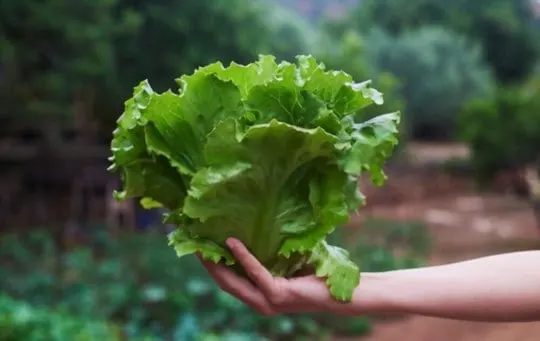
<point>497,288</point>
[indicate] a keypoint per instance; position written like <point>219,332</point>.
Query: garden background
<point>76,265</point>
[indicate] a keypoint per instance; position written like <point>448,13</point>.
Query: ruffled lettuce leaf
<point>185,244</point>
<point>281,184</point>
<point>369,145</point>
<point>268,153</point>
<point>144,173</point>
<point>341,273</point>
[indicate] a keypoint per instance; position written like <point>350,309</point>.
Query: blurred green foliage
<point>60,57</point>
<point>498,25</point>
<point>316,10</point>
<point>58,54</point>
<point>20,321</point>
<point>426,56</point>
<point>439,73</point>
<point>49,51</point>
<point>137,282</point>
<point>503,131</point>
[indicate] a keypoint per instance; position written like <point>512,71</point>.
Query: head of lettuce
<point>268,153</point>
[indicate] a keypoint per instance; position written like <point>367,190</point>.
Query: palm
<point>264,293</point>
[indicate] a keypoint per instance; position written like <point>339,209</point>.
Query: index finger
<point>238,287</point>
<point>254,269</point>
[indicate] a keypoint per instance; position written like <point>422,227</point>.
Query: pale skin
<point>500,288</point>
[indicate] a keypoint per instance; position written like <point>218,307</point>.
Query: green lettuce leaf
<point>371,144</point>
<point>268,153</point>
<point>333,263</point>
<point>185,244</point>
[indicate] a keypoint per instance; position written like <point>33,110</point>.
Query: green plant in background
<point>138,283</point>
<point>20,321</point>
<point>503,131</point>
<point>64,57</point>
<point>204,32</point>
<point>496,25</point>
<point>439,73</point>
<point>58,55</point>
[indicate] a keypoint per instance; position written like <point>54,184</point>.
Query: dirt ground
<point>463,227</point>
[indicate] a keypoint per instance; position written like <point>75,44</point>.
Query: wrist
<point>374,294</point>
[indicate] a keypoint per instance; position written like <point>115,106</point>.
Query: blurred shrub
<point>21,322</point>
<point>439,71</point>
<point>138,282</point>
<point>179,36</point>
<point>193,33</point>
<point>503,131</point>
<point>288,33</point>
<point>504,28</point>
<point>88,56</point>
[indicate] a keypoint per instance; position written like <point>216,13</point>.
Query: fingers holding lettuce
<point>265,293</point>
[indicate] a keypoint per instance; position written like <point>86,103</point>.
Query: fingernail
<point>231,243</point>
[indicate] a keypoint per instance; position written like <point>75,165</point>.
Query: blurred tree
<point>179,36</point>
<point>503,131</point>
<point>56,53</point>
<point>315,10</point>
<point>440,72</point>
<point>504,28</point>
<point>59,56</point>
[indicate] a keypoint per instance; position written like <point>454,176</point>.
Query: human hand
<point>267,294</point>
